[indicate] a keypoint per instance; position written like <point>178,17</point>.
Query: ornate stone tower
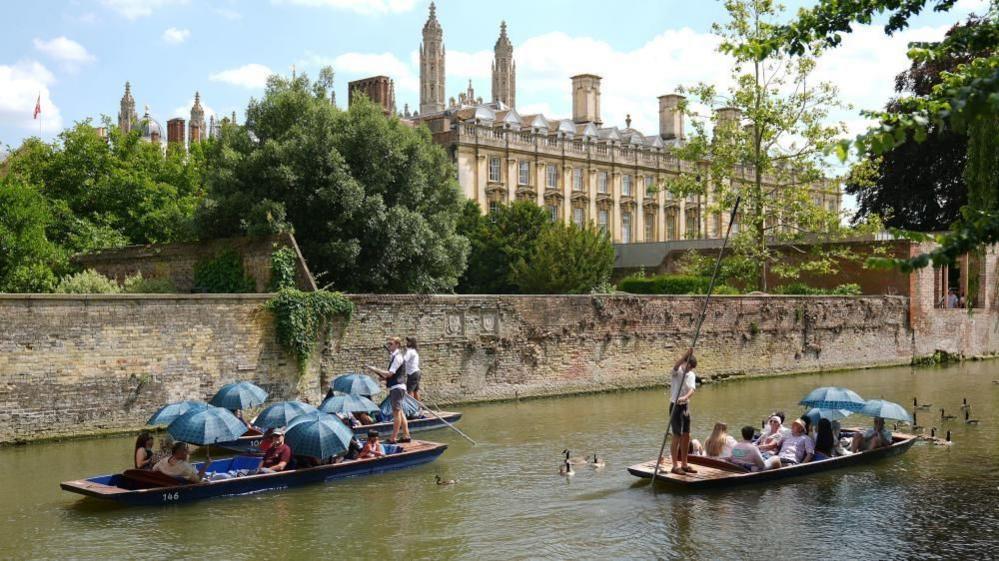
<point>432,65</point>
<point>504,70</point>
<point>197,128</point>
<point>127,118</point>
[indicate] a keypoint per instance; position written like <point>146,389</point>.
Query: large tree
<point>372,201</point>
<point>28,259</point>
<point>918,185</point>
<point>774,162</point>
<point>499,241</point>
<point>566,259</point>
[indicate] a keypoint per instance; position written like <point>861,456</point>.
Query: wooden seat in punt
<point>715,473</point>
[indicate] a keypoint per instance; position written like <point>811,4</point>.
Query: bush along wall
<point>300,318</point>
<point>223,274</point>
<point>671,284</point>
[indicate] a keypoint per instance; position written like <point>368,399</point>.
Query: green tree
<point>776,161</point>
<point>373,202</point>
<point>28,259</point>
<point>565,259</point>
<point>962,98</point>
<point>499,241</point>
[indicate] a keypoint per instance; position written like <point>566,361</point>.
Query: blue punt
<point>142,487</point>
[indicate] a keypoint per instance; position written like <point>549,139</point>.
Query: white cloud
<point>176,36</point>
<point>65,51</point>
<point>365,7</point>
<point>979,7</point>
<point>246,76</point>
<point>134,9</point>
<point>231,15</point>
<point>21,85</point>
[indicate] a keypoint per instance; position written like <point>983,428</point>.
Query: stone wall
<point>74,365</point>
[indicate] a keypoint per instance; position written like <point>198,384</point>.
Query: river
<point>510,503</point>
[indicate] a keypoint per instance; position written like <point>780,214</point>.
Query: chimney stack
<point>725,116</point>
<point>175,130</point>
<point>586,99</point>
<point>670,117</point>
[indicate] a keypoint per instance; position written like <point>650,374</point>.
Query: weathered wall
<point>71,364</point>
<point>176,261</point>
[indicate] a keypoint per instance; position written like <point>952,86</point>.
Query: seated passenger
<point>267,441</point>
<point>747,455</point>
<point>308,462</point>
<point>809,426</point>
<point>144,451</point>
<point>278,456</point>
<point>177,464</point>
<point>372,448</point>
<point>774,432</point>
<point>826,444</point>
<point>876,437</point>
<point>720,443</point>
<point>239,415</point>
<point>364,418</point>
<point>695,448</point>
<point>796,448</point>
<point>353,449</point>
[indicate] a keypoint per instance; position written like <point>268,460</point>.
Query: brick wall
<point>77,365</point>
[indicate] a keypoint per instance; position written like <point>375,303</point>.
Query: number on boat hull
<point>167,497</point>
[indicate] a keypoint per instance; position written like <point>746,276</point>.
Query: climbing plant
<point>223,273</point>
<point>301,316</point>
<point>283,262</point>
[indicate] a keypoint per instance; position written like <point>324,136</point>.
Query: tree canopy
<point>373,203</point>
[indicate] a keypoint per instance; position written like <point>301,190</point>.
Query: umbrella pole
<point>441,419</point>
<point>700,321</point>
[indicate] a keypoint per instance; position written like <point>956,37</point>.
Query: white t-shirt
<point>747,454</point>
<point>727,447</point>
<point>180,469</point>
<point>680,379</point>
<point>412,359</point>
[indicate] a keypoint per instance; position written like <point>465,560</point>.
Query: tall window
<point>494,170</point>
<point>602,219</point>
<point>577,179</point>
<point>650,184</point>
<point>493,207</point>
<point>650,227</point>
<point>577,216</point>
<point>692,219</point>
<point>602,182</point>
<point>551,177</point>
<point>625,227</point>
<point>672,224</point>
<point>524,175</point>
<point>626,185</point>
<point>553,212</point>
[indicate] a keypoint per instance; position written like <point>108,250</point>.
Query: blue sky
<point>78,54</point>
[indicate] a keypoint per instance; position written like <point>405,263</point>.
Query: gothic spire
<point>127,118</point>
<point>504,70</point>
<point>432,67</point>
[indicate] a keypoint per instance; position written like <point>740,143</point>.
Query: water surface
<point>933,502</point>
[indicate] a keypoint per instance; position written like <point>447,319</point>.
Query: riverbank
<point>82,365</point>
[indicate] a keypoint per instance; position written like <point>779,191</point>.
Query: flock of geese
<point>565,469</point>
<point>944,417</point>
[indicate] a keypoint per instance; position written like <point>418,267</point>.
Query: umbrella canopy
<point>886,410</point>
<point>281,413</point>
<point>239,395</point>
<point>832,414</point>
<point>171,411</point>
<point>355,384</point>
<point>206,426</point>
<point>348,404</point>
<point>409,406</point>
<point>320,438</point>
<point>834,398</point>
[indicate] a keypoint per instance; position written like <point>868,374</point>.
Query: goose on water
<point>946,417</point>
<point>967,418</point>
<point>964,404</point>
<point>924,406</point>
<point>445,481</point>
<point>566,469</point>
<point>597,462</point>
<point>573,459</point>
<point>940,442</point>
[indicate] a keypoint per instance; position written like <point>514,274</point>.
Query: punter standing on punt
<point>395,381</point>
<point>682,383</point>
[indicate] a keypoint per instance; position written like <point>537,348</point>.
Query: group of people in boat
<point>777,445</point>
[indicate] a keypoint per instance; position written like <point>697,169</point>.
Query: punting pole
<point>700,321</point>
<point>441,419</point>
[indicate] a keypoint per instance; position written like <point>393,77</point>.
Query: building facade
<point>580,170</point>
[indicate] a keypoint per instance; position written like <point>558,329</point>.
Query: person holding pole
<point>395,381</point>
<point>682,385</point>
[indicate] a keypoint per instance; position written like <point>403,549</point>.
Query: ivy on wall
<point>301,316</point>
<point>283,268</point>
<point>223,273</point>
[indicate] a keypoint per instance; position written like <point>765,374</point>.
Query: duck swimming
<point>445,481</point>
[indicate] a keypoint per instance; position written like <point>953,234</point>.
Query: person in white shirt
<point>412,360</point>
<point>682,383</point>
<point>395,381</point>
<point>177,465</point>
<point>720,443</point>
<point>747,455</point>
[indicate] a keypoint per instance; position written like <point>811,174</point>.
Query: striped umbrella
<point>355,384</point>
<point>348,404</point>
<point>281,413</point>
<point>410,407</point>
<point>171,411</point>
<point>239,395</point>
<point>834,398</point>
<point>320,438</point>
<point>206,426</point>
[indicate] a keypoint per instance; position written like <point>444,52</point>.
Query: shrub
<point>802,289</point>
<point>87,282</point>
<point>671,284</point>
<point>136,284</point>
<point>224,274</point>
<point>565,259</point>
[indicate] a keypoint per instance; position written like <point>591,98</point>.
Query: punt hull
<point>715,478</point>
<point>413,454</point>
<point>250,444</point>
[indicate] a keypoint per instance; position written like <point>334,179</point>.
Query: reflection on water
<point>512,504</point>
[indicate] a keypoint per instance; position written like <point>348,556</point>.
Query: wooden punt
<point>713,473</point>
<point>249,442</point>
<point>140,487</point>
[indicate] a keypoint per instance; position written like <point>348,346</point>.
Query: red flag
<point>38,106</point>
